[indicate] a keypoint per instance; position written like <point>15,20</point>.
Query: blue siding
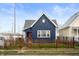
<point>43,26</point>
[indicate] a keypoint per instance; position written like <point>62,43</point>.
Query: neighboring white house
<point>2,41</point>
<point>71,27</point>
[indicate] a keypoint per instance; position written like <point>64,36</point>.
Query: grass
<point>51,45</point>
<point>42,51</point>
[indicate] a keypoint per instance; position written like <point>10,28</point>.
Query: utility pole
<point>14,29</point>
<point>14,18</point>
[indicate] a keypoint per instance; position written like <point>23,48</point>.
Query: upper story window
<point>43,20</point>
<point>43,33</point>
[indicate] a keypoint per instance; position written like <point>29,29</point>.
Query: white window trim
<point>43,36</point>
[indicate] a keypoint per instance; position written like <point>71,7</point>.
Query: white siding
<point>75,23</point>
<point>1,42</point>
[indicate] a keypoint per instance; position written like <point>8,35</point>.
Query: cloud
<point>22,15</point>
<point>6,17</point>
<point>63,13</point>
<point>7,9</point>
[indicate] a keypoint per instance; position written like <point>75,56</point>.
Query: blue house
<point>42,30</point>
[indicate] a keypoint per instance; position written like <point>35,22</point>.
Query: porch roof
<point>28,23</point>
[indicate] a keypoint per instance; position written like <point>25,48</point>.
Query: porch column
<point>70,32</point>
<point>77,32</point>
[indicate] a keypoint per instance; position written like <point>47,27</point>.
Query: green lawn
<point>42,51</point>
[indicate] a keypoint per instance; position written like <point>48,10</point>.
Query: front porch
<point>74,32</point>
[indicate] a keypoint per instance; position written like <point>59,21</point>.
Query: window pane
<point>38,34</point>
<point>48,33</point>
<point>43,33</point>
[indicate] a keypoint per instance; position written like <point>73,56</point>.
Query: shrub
<point>19,43</point>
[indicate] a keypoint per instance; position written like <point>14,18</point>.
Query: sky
<point>32,11</point>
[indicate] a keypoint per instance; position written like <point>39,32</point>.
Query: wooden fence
<point>60,42</point>
<point>67,42</point>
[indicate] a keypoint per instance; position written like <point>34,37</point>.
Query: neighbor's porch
<point>74,32</point>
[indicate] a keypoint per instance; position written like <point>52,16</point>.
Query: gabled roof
<point>30,23</point>
<point>70,20</point>
<point>46,17</point>
<point>55,21</point>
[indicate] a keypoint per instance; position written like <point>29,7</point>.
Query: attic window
<point>43,20</point>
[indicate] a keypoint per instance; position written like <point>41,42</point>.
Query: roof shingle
<point>28,23</point>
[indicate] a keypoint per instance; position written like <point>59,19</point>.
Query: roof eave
<point>26,28</point>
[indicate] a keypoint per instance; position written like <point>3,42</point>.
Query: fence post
<point>66,41</point>
<point>56,43</point>
<point>63,41</point>
<point>73,42</point>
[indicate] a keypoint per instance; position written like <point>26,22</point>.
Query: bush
<point>19,43</point>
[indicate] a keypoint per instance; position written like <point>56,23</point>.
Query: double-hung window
<point>43,33</point>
